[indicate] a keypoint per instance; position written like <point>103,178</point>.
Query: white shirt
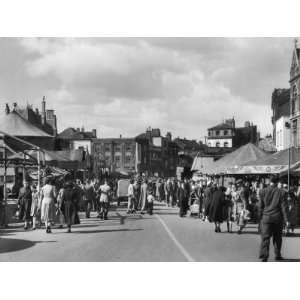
<point>130,190</point>
<point>150,198</point>
<point>105,188</point>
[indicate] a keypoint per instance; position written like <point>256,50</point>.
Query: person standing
<point>104,200</point>
<point>2,206</point>
<point>150,202</point>
<point>273,213</point>
<point>292,212</point>
<point>59,211</point>
<point>35,207</point>
<point>131,199</point>
<point>207,200</point>
<point>216,207</point>
<point>89,197</point>
<point>182,199</point>
<point>241,205</point>
<point>144,194</point>
<point>68,205</point>
<point>48,196</point>
<point>24,204</point>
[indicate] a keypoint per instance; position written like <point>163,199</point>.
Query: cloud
<point>184,85</point>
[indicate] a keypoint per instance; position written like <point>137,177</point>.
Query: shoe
<point>279,258</point>
<point>264,260</point>
<point>60,226</point>
<point>49,230</point>
<point>239,232</point>
<point>69,230</point>
<point>33,228</point>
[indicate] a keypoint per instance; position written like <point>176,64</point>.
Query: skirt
<point>48,210</point>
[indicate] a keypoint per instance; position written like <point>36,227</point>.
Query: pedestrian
<point>150,202</point>
<point>292,212</point>
<point>24,204</point>
<point>143,196</point>
<point>131,199</point>
<point>2,207</point>
<point>229,205</point>
<point>35,212</point>
<point>89,197</point>
<point>241,204</point>
<point>207,200</point>
<point>273,214</point>
<point>48,196</point>
<point>183,199</point>
<point>104,200</point>
<point>59,212</point>
<point>216,207</point>
<point>68,205</point>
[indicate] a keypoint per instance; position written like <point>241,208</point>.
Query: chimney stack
<point>44,111</point>
<point>7,109</point>
<point>94,133</point>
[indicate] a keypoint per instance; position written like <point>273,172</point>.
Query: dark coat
<point>68,206</point>
<point>24,201</point>
<point>273,205</point>
<point>216,208</point>
<point>208,192</point>
<point>183,201</point>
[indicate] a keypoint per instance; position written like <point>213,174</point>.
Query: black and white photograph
<point>149,150</point>
<point>112,145</point>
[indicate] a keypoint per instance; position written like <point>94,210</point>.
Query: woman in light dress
<point>35,207</point>
<point>48,196</point>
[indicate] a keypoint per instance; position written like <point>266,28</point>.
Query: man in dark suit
<point>273,214</point>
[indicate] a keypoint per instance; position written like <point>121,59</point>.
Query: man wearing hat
<point>24,203</point>
<point>273,214</point>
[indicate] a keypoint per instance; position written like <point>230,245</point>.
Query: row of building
<point>149,152</point>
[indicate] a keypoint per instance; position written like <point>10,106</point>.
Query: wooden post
<point>5,187</point>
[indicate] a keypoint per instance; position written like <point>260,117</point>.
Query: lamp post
<point>288,126</point>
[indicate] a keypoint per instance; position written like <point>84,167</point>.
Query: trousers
<point>104,206</point>
<point>268,231</point>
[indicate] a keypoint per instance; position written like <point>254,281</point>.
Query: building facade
<point>282,133</point>
<point>295,98</point>
<point>123,155</point>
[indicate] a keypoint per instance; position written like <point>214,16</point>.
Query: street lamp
<point>288,126</point>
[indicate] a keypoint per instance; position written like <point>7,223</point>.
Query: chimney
<point>94,133</point>
<point>78,129</point>
<point>15,106</point>
<point>169,136</point>
<point>7,109</point>
<point>55,126</point>
<point>44,111</point>
<point>120,136</point>
<point>247,124</point>
<point>82,129</point>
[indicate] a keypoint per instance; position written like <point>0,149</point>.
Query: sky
<point>124,85</point>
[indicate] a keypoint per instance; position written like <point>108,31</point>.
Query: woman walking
<point>48,196</point>
<point>216,208</point>
<point>35,207</point>
<point>68,205</point>
<point>24,204</point>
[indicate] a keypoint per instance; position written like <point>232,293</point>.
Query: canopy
<point>276,163</point>
<point>232,162</point>
<point>53,171</point>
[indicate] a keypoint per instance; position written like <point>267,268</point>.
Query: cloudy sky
<point>124,85</point>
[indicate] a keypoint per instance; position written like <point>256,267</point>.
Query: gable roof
<point>221,126</point>
<point>13,124</point>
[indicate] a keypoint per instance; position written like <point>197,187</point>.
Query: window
<point>209,144</point>
<point>128,148</point>
<point>117,148</point>
<point>117,158</point>
<point>107,148</point>
<point>217,144</point>
<point>225,132</point>
<point>127,159</point>
<point>217,132</point>
<point>209,133</point>
<point>226,144</point>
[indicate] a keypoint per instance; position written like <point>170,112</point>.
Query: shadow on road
<point>11,245</point>
<point>105,230</point>
<point>290,260</point>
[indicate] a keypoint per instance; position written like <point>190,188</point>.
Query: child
<point>150,200</point>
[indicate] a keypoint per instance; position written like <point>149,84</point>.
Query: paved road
<point>160,237</point>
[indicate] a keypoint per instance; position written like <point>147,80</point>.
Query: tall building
<point>280,116</point>
<point>294,97</point>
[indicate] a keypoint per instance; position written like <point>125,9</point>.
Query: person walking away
<point>207,199</point>
<point>131,199</point>
<point>89,198</point>
<point>182,199</point>
<point>59,212</point>
<point>24,204</point>
<point>68,205</point>
<point>292,212</point>
<point>35,212</point>
<point>229,206</point>
<point>150,201</point>
<point>144,193</point>
<point>2,207</point>
<point>167,191</point>
<point>104,200</point>
<point>48,196</point>
<point>216,207</point>
<point>273,212</point>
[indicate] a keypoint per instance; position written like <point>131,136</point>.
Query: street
<point>160,237</point>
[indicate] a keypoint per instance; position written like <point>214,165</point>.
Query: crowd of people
<point>60,201</point>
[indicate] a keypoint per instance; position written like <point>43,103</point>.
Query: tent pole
<point>5,187</point>
<point>39,169</point>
